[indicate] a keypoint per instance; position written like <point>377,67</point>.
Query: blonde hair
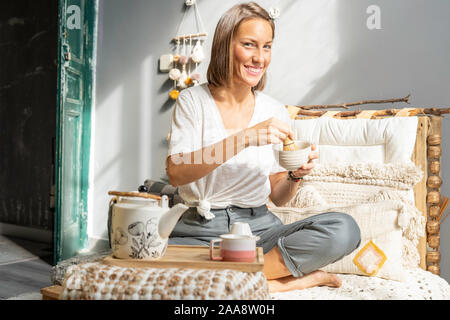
<point>220,69</point>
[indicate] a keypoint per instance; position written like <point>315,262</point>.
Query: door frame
<point>90,35</point>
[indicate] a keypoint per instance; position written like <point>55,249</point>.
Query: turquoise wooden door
<point>77,21</point>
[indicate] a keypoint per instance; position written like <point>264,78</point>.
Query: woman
<point>220,155</point>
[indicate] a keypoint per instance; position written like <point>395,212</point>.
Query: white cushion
<point>359,140</point>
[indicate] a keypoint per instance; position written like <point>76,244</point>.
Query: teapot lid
<point>135,194</point>
<point>140,202</point>
<point>137,200</point>
<point>136,197</point>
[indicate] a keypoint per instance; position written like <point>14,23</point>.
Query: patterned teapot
<point>141,224</point>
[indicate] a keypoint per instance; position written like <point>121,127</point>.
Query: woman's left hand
<point>306,168</point>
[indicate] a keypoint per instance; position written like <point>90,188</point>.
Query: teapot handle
<point>134,194</point>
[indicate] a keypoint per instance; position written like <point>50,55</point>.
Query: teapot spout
<point>170,219</point>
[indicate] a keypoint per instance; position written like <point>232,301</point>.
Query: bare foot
<point>313,279</point>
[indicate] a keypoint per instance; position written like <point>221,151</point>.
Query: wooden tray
<point>193,257</point>
<point>51,293</point>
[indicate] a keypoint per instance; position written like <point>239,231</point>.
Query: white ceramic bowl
<point>292,160</point>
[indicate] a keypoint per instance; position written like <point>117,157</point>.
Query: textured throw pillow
<point>399,175</point>
<point>346,184</point>
<point>312,193</point>
<point>380,250</point>
<point>339,184</point>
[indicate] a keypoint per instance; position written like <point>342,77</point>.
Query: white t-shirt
<point>243,180</point>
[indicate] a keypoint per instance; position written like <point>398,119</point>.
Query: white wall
<point>323,53</point>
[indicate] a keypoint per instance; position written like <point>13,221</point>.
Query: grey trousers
<point>305,245</point>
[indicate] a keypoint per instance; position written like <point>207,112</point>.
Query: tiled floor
<point>25,266</point>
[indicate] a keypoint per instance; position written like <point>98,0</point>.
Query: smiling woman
<point>251,51</point>
<point>221,157</point>
<point>236,24</point>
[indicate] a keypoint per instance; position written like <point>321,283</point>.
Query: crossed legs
<point>307,246</point>
<point>280,279</point>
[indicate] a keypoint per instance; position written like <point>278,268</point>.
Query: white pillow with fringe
<point>341,184</point>
<point>380,251</point>
<point>345,184</point>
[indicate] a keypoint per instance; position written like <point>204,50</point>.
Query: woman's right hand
<point>271,131</point>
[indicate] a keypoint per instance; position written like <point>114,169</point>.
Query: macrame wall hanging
<point>183,63</point>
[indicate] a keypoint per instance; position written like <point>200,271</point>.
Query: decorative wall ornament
<point>187,57</point>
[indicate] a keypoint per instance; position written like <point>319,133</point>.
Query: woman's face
<point>252,46</point>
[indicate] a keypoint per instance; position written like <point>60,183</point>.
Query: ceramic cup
<point>237,246</point>
<point>234,247</point>
<point>292,160</point>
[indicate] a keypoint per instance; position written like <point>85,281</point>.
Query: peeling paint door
<point>77,27</point>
